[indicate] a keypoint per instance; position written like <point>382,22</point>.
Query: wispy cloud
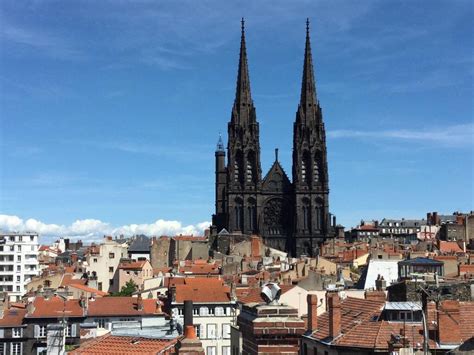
<point>48,44</point>
<point>449,136</point>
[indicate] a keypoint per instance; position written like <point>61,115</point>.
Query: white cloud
<point>453,136</point>
<point>95,229</point>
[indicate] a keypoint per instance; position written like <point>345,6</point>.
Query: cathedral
<point>292,216</point>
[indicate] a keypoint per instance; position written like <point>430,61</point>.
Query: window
<point>111,255</point>
<point>219,311</point>
<point>111,282</point>
<point>40,331</point>
<point>197,328</point>
<point>211,331</point>
<point>18,278</point>
<point>95,260</point>
<point>226,350</point>
<point>111,269</point>
<point>100,322</point>
<point>226,331</point>
<point>99,286</point>
<point>68,330</point>
<point>16,349</point>
<point>211,350</point>
<point>195,311</point>
<point>203,311</point>
<point>17,332</point>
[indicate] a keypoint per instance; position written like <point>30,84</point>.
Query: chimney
<point>334,309</point>
<point>312,313</point>
<point>448,322</point>
<point>255,246</point>
<point>140,302</point>
<point>30,308</point>
<point>190,344</point>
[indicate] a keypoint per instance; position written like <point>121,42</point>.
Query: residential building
<point>400,227</point>
<point>136,271</point>
<point>139,248</point>
<point>18,262</point>
<point>102,264</point>
<point>12,337</point>
<point>105,313</point>
<point>213,311</point>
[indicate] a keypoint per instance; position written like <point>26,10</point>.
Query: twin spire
<point>243,95</point>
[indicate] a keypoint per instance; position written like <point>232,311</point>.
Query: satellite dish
<point>271,293</point>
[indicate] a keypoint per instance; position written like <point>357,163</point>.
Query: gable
<point>276,180</point>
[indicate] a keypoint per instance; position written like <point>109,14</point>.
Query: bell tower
<point>310,170</point>
<point>243,151</point>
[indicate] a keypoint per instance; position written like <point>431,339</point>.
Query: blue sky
<point>110,110</point>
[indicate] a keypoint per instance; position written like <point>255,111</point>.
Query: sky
<point>110,110</point>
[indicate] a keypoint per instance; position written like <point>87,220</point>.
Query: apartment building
<point>214,310</point>
<point>18,262</point>
<point>102,264</point>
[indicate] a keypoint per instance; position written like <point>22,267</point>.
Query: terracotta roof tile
<point>353,311</point>
<point>88,289</point>
<point>203,290</point>
<point>134,265</point>
<point>466,320</point>
<point>103,306</point>
<point>449,247</point>
<point>12,317</point>
<point>110,344</point>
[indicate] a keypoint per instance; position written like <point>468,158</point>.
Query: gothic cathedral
<point>290,216</point>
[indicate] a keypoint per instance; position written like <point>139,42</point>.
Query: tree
<point>127,290</point>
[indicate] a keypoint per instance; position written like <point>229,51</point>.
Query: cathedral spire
<point>308,97</point>
<point>242,94</point>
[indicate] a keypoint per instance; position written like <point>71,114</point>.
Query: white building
<point>18,262</point>
<point>102,264</point>
<point>214,311</point>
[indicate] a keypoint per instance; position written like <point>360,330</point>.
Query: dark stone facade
<point>290,216</point>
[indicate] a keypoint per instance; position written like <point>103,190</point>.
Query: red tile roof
<point>53,308</point>
<point>121,306</point>
<point>375,335</point>
<point>134,265</point>
<point>103,306</point>
<point>449,247</point>
<point>203,290</point>
<point>466,319</point>
<point>112,344</point>
<point>88,289</point>
<point>68,279</point>
<point>12,317</point>
<point>353,311</point>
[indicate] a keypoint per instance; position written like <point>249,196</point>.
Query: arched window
<point>250,174</point>
<point>306,215</point>
<point>306,168</point>
<point>238,167</point>
<point>316,171</point>
<point>203,311</point>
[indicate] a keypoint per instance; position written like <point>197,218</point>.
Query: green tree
<point>127,290</point>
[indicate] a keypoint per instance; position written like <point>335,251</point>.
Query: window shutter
<point>37,331</point>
